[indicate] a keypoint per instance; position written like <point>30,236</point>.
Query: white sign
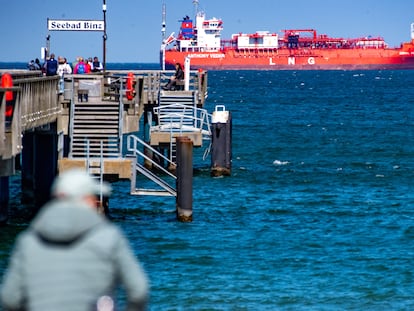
<point>74,25</point>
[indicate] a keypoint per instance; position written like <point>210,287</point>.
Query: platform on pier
<point>120,167</point>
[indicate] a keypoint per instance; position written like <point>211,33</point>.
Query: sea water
<point>318,213</point>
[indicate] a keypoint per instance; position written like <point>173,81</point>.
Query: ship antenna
<point>163,20</point>
<point>195,2</point>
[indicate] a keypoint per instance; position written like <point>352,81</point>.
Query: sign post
<point>104,35</point>
<point>80,25</point>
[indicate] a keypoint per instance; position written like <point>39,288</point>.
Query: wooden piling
<point>184,200</point>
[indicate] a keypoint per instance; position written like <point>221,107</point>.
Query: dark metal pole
<point>104,36</point>
<point>47,47</point>
<point>184,200</point>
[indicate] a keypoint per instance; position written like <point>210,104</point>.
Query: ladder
<point>95,168</point>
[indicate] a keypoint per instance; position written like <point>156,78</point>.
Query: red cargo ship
<point>293,49</point>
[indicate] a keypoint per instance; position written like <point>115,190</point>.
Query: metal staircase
<point>165,180</point>
<point>177,114</point>
<point>98,121</point>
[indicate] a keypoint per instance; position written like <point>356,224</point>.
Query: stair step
<point>98,106</point>
<point>83,148</point>
<point>155,192</point>
<point>95,171</point>
<point>86,125</point>
<point>100,118</point>
<point>83,142</point>
<point>95,131</point>
<point>101,112</point>
<point>83,154</point>
<point>97,144</point>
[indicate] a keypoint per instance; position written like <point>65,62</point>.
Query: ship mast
<point>195,2</point>
<point>163,21</point>
<point>412,31</point>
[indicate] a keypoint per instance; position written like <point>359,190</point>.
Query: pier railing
<point>34,104</point>
<point>149,82</point>
<point>39,104</point>
<point>179,118</point>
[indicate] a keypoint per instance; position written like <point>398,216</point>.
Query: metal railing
<point>137,148</point>
<point>179,118</point>
<point>35,104</point>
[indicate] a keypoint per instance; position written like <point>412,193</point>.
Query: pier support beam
<point>4,199</point>
<point>221,152</point>
<point>39,165</point>
<point>184,201</point>
<point>7,168</point>
<point>45,163</point>
<point>27,168</point>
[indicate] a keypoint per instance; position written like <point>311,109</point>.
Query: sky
<point>134,26</point>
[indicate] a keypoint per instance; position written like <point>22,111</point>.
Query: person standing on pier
<point>96,65</point>
<point>51,66</point>
<point>63,69</point>
<point>71,258</point>
<point>81,67</point>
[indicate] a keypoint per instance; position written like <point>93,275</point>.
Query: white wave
<point>278,162</point>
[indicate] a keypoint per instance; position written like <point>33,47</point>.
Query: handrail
<point>133,144</point>
<point>199,117</point>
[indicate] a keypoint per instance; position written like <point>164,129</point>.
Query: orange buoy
<point>130,86</point>
<point>7,81</point>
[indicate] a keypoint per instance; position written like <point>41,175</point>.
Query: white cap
<point>77,183</point>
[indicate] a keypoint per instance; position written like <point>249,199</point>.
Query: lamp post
<point>104,35</point>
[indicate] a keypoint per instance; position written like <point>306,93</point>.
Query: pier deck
<point>86,129</point>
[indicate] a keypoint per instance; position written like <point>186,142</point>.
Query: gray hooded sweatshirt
<point>68,258</point>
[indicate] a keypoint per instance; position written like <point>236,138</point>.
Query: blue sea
<point>318,213</point>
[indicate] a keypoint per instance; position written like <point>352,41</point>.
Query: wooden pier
<point>81,121</point>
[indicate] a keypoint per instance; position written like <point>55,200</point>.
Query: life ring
<point>7,81</point>
<point>130,86</point>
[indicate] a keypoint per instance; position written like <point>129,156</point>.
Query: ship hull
<point>285,59</point>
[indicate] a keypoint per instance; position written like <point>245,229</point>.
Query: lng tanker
<point>291,49</point>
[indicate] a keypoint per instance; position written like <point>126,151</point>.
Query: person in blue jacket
<point>51,66</point>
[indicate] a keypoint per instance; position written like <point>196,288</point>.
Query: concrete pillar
<point>184,200</point>
<point>221,151</point>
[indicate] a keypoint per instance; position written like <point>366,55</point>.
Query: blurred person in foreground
<point>71,256</point>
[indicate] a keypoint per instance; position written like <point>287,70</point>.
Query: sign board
<point>75,25</point>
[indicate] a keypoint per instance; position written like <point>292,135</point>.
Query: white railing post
<point>187,74</point>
